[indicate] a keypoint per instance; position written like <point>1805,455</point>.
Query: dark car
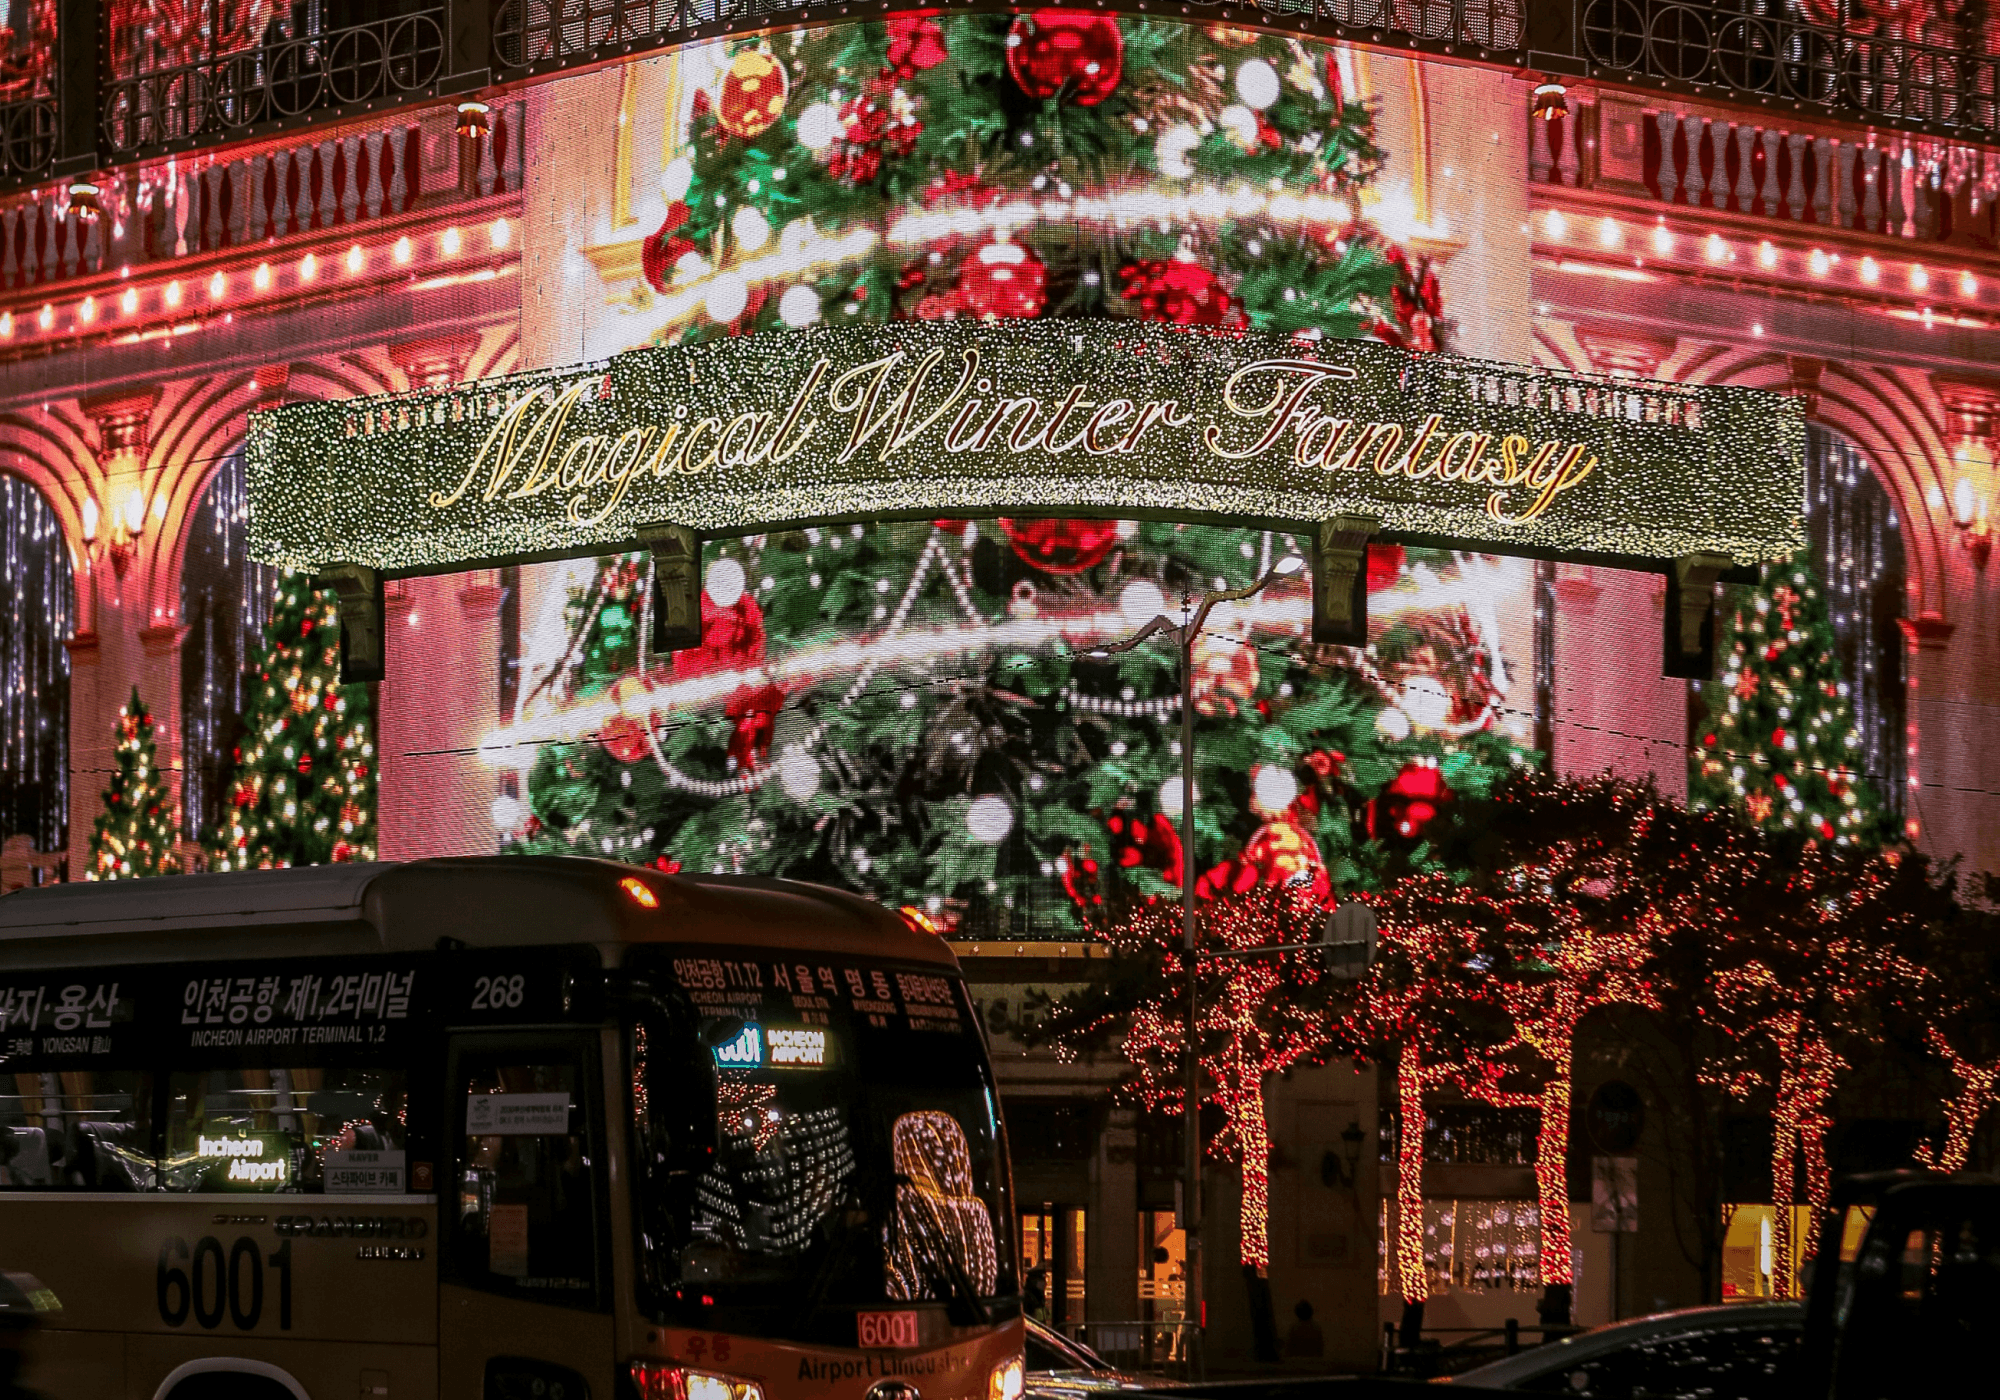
<point>1737,1351</point>
<point>1061,1369</point>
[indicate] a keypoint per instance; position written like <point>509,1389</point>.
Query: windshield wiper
<point>852,1225</point>
<point>963,1305</point>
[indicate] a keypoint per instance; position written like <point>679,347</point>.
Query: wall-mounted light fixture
<point>85,200</point>
<point>1967,495</point>
<point>120,519</point>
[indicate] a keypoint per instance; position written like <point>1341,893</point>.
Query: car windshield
<point>817,1139</point>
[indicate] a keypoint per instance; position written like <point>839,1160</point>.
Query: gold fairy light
<point>979,418</point>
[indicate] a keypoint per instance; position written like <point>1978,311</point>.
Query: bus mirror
<point>722,1030</point>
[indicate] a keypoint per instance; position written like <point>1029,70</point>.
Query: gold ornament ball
<point>752,95</point>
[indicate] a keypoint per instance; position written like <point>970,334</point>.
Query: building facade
<point>322,202</point>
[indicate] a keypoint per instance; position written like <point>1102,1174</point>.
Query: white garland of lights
<point>862,658</point>
<point>804,250</point>
<point>933,552</point>
<point>896,643</point>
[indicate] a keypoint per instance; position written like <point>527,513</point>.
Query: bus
<point>498,1128</point>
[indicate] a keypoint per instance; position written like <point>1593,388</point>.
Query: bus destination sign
<point>65,1018</point>
<point>366,1008</point>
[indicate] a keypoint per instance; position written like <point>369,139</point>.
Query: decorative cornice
<point>1626,350</point>
<point>1927,630</point>
<point>163,638</point>
<point>401,251</point>
<point>124,418</point>
<point>1640,238</point>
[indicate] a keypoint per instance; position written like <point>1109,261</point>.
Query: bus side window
<point>526,1218</point>
<point>89,1130</point>
<point>287,1128</point>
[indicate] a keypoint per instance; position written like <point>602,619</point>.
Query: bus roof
<point>481,901</point>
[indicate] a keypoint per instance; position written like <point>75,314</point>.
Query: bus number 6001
<point>215,1283</point>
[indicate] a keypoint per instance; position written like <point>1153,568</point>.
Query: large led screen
<point>918,711</point>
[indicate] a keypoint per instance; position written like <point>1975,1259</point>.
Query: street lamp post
<point>1193,618</point>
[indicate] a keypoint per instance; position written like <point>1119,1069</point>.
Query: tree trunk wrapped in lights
<point>1429,1006</point>
<point>1957,1013</point>
<point>1963,1110</point>
<point>1582,969</point>
<point>1260,1015</point>
<point>1816,952</point>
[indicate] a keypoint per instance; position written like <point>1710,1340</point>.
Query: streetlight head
<point>1099,653</point>
<point>1288,565</point>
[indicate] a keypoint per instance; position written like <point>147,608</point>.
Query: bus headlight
<point>1006,1382</point>
<point>663,1380</point>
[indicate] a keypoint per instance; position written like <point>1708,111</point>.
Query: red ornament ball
<point>1061,546</point>
<point>624,734</point>
<point>752,94</point>
<point>1073,51</point>
<point>1385,566</point>
<point>1183,293</point>
<point>1002,278</point>
<point>1410,802</point>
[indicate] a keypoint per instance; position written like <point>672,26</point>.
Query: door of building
<point>1162,1285</point>
<point>1052,1254</point>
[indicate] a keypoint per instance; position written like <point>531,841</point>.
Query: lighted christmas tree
<point>306,774</point>
<point>1780,742</point>
<point>134,835</point>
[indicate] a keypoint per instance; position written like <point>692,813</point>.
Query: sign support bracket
<point>1690,613</point>
<point>358,590</point>
<point>1340,580</point>
<point>676,551</point>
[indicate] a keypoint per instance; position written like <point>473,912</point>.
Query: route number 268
<point>215,1283</point>
<point>497,993</point>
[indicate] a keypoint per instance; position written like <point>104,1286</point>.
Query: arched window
<point>37,612</point>
<point>1858,541</point>
<point>225,601</point>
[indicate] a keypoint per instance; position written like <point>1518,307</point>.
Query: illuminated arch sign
<point>1080,417</point>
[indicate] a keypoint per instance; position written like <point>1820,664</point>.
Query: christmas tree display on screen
<point>907,709</point>
<point>134,834</point>
<point>1780,743</point>
<point>305,782</point>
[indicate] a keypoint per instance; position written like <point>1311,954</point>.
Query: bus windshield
<point>816,1139</point>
